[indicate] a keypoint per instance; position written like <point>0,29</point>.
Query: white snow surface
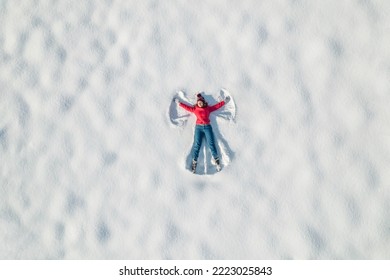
<point>91,168</point>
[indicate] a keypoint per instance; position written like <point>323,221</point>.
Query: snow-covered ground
<point>91,168</point>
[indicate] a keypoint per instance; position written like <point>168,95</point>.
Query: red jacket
<point>202,114</point>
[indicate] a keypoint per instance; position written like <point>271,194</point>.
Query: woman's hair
<point>199,97</point>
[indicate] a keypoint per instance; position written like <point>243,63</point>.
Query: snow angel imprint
<point>203,128</point>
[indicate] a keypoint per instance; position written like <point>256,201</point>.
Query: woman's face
<point>200,103</point>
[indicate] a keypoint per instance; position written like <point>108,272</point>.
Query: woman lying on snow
<point>203,127</point>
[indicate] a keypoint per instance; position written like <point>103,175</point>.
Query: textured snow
<point>90,167</point>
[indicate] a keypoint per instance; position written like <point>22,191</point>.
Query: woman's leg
<point>198,137</point>
<point>211,141</point>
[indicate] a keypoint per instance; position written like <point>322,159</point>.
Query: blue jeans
<point>202,131</point>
